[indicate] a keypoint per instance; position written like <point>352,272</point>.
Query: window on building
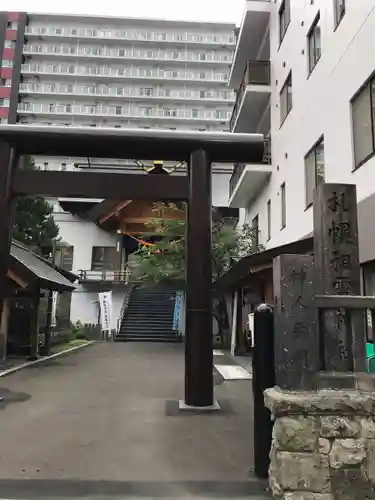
<point>169,112</point>
<point>314,170</point>
<point>221,114</point>
<point>103,258</point>
<point>66,258</point>
<point>255,231</point>
<point>269,227</point>
<point>283,205</point>
<point>363,118</point>
<point>2,82</point>
<point>12,25</point>
<point>9,44</point>
<point>286,101</point>
<point>7,64</point>
<point>314,43</point>
<point>339,10</point>
<point>284,18</point>
<point>149,92</point>
<point>118,110</point>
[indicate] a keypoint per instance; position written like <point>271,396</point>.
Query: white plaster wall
<point>85,308</point>
<point>220,188</point>
<point>321,105</point>
<point>83,235</point>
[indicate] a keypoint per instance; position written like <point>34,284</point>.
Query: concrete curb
<point>9,371</point>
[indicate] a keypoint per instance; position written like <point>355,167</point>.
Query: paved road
<point>100,423</point>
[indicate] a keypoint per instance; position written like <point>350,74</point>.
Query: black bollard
<point>263,378</point>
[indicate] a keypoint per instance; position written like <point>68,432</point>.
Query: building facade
<point>303,75</point>
<point>110,72</point>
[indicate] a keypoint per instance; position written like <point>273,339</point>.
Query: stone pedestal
<point>323,445</point>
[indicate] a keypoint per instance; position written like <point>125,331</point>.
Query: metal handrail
<point>256,73</point>
<point>124,306</point>
<point>105,275</point>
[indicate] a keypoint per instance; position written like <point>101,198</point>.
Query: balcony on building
<point>248,180</point>
<point>253,41</point>
<point>105,267</point>
<point>103,277</point>
<point>97,112</point>
<point>103,73</point>
<point>253,98</point>
<point>57,27</point>
<point>119,92</point>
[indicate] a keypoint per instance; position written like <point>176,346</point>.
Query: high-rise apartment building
<point>111,72</point>
<point>68,70</point>
<point>303,72</point>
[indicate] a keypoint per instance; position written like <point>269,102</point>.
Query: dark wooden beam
<point>100,185</point>
<point>8,164</point>
<point>139,144</point>
<point>355,302</point>
<point>198,330</point>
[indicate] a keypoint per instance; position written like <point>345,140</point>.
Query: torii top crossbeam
<point>222,147</point>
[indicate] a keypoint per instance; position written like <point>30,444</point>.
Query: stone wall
<point>323,445</point>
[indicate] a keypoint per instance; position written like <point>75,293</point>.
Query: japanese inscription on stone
<point>337,267</point>
<point>296,347</point>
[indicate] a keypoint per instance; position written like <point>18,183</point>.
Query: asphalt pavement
<point>103,423</point>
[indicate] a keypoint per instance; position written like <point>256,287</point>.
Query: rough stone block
<point>329,401</point>
<point>369,465</point>
<point>324,446</point>
<point>347,452</point>
<point>368,428</point>
<point>274,474</point>
<point>304,495</point>
<point>297,433</point>
<point>350,484</point>
<point>365,382</point>
<point>303,472</point>
<point>343,427</point>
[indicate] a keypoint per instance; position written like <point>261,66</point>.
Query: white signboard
<point>105,303</point>
<point>55,296</point>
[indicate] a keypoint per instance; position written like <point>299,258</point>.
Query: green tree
<point>165,261</point>
<point>33,222</point>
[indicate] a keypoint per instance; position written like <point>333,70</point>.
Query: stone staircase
<point>149,317</point>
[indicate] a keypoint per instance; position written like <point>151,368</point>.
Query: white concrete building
<point>112,72</point>
<point>303,71</point>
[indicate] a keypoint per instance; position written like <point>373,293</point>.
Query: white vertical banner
<point>234,324</point>
<point>105,304</point>
<point>55,296</point>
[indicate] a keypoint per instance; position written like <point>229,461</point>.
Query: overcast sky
<point>189,10</point>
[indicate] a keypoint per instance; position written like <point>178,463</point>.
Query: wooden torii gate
<point>198,149</point>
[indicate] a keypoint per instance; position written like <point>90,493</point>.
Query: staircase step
<point>140,319</point>
<point>147,331</point>
<point>149,317</point>
<point>132,328</point>
<point>148,311</point>
<point>144,338</point>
